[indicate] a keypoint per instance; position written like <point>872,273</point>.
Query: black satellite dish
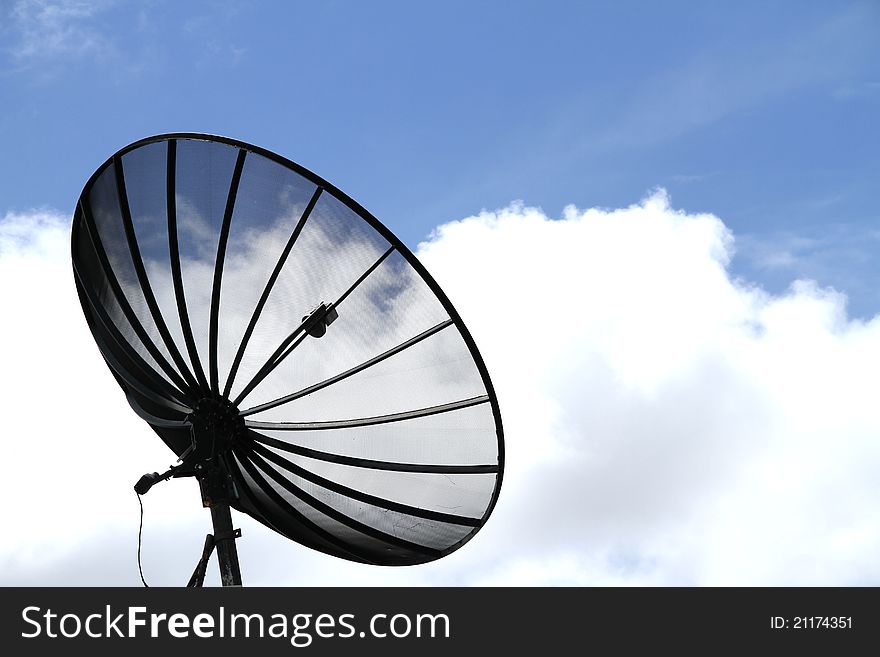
<point>290,350</point>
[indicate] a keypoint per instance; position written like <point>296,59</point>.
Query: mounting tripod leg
<point>223,539</point>
<point>198,576</point>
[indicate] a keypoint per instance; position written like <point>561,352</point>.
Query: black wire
<point>140,534</point>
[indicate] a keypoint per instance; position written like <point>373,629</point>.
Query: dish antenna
<point>290,350</point>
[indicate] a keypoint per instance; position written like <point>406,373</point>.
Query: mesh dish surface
<point>199,262</point>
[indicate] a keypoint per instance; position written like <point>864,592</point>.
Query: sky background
<point>689,188</point>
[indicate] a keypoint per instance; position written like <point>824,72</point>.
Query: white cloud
<point>71,445</point>
<point>665,424</point>
<point>661,415</point>
<point>53,29</point>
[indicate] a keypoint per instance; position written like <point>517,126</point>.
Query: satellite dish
<point>292,352</point>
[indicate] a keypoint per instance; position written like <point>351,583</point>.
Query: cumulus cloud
<point>665,423</point>
<point>70,445</point>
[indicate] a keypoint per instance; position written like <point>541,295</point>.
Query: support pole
<point>224,538</point>
<point>218,490</point>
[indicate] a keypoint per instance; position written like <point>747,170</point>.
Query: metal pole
<point>224,538</point>
<point>218,489</point>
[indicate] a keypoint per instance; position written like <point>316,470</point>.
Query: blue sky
<point>762,113</point>
<point>698,209</point>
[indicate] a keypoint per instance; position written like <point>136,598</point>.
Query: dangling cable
<point>140,535</point>
<point>143,485</point>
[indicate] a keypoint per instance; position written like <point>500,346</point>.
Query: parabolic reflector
<point>257,317</point>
